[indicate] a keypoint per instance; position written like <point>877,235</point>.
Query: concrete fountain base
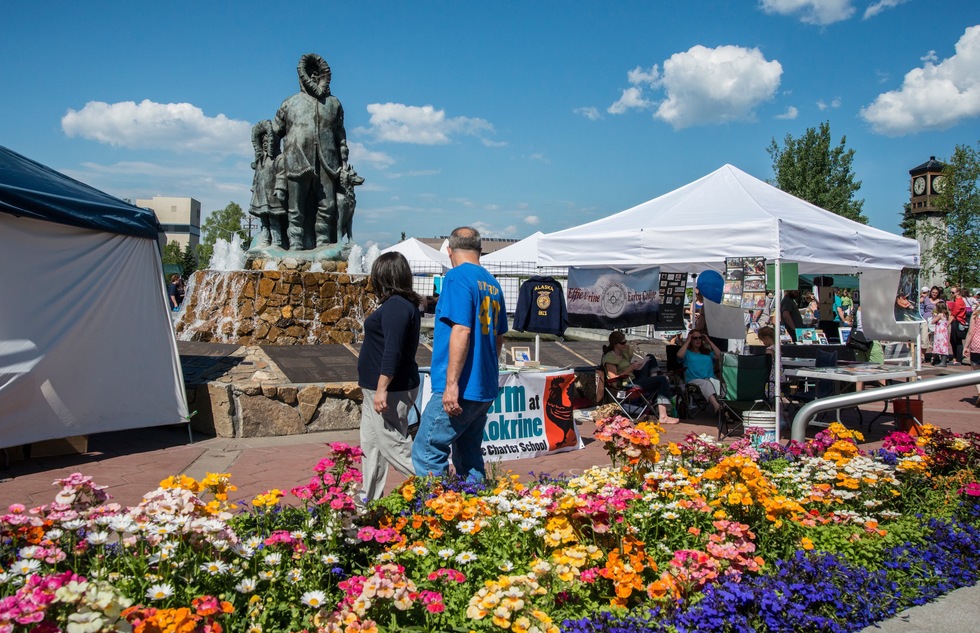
<point>240,391</point>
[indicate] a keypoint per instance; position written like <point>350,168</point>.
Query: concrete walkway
<point>132,463</point>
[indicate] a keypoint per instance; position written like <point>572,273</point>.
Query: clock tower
<point>926,184</point>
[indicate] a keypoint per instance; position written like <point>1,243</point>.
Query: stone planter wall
<point>272,307</point>
<point>252,409</point>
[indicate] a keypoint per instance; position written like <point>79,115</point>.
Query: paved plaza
<point>133,462</point>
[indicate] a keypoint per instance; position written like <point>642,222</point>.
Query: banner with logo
<point>607,299</point>
<point>532,416</point>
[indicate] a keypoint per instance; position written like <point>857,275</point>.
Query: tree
<point>221,224</point>
<point>908,221</point>
<point>809,168</point>
<point>957,239</point>
<point>188,261</point>
<point>171,254</point>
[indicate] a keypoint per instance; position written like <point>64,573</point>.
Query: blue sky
<point>510,116</point>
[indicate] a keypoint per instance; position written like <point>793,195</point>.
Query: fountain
<point>289,308</point>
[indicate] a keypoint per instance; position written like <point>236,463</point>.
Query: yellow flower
<point>806,543</point>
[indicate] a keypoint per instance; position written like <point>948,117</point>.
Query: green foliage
<point>908,221</point>
<point>220,224</point>
<point>188,261</point>
<point>809,168</point>
<point>172,254</point>
<point>957,243</point>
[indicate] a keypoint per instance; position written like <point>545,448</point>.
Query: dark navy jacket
<point>541,307</point>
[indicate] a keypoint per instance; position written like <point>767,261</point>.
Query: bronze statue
<point>346,200</point>
<point>311,126</point>
<point>265,204</point>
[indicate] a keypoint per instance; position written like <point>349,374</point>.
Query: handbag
<point>858,341</point>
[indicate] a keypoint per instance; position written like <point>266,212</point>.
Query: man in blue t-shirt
<point>470,322</point>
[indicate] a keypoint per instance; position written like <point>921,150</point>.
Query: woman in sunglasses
<point>698,355</point>
<point>622,367</point>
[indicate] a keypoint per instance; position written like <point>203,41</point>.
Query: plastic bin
<point>908,415</point>
<point>764,421</point>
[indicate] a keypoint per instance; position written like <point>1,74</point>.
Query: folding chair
<point>744,381</point>
<point>629,398</point>
<point>689,397</point>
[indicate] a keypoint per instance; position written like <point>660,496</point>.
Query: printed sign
<point>745,283</point>
<point>607,299</point>
<point>673,287</point>
<point>907,296</point>
<point>532,416</point>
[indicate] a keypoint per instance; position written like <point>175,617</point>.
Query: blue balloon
<point>711,285</point>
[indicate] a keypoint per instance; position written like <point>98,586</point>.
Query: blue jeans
<point>439,433</point>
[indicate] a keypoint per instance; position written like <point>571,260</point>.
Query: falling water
<point>372,254</point>
<point>355,261</point>
<point>228,255</point>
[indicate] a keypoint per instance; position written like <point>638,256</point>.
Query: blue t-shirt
<point>838,303</point>
<point>697,365</point>
<point>470,297</point>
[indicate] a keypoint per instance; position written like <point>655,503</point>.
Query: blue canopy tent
<point>86,342</point>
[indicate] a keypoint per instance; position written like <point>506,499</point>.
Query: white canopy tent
<point>729,213</point>
<point>417,251</point>
<point>524,251</point>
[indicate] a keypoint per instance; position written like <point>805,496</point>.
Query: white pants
<point>385,440</point>
<point>708,386</point>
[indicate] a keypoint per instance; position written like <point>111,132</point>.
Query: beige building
<point>179,217</point>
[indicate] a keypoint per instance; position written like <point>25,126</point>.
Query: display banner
<point>907,296</point>
<point>607,299</point>
<point>532,416</point>
<point>673,287</point>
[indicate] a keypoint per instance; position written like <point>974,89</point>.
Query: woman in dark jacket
<point>388,374</point>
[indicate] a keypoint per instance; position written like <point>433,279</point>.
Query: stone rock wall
<point>273,307</point>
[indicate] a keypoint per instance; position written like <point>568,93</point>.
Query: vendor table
<point>855,373</point>
<point>532,415</point>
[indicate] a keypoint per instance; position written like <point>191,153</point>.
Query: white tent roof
<point>727,213</point>
<point>525,250</point>
<point>417,251</point>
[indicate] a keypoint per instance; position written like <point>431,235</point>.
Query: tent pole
<point>777,349</point>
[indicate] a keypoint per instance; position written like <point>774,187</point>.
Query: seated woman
<point>620,367</point>
<point>698,355</point>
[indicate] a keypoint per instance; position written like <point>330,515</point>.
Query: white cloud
<point>360,154</point>
<point>716,85</point>
<point>631,98</point>
<point>934,97</point>
<point>590,112</point>
<point>639,76</point>
<point>399,123</point>
<point>880,6</point>
<point>930,57</point>
<point>180,127</point>
<point>533,220</point>
<point>834,104</point>
<point>819,12</point>
<point>790,114</point>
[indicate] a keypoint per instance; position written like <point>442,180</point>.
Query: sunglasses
<point>695,338</point>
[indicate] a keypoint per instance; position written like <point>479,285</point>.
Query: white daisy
<point>465,557</point>
<point>273,559</point>
<point>330,559</point>
<point>246,585</point>
<point>446,553</point>
<point>97,538</point>
<point>214,567</point>
<point>505,566</point>
<point>294,575</point>
<point>160,591</point>
<point>313,599</point>
<point>25,567</point>
<point>420,550</point>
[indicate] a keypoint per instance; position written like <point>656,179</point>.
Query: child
<point>941,349</point>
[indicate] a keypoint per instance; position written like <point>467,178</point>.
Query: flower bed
<point>689,536</point>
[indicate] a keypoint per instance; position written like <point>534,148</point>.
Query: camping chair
<point>689,397</point>
<point>629,398</point>
<point>744,381</point>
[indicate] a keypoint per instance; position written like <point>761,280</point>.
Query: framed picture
<point>822,338</point>
<point>521,354</point>
<point>845,333</point>
<point>806,336</point>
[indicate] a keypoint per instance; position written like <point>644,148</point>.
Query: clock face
<point>938,182</point>
<point>919,186</point>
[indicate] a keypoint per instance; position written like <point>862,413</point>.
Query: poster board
<point>673,289</point>
<point>745,283</point>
